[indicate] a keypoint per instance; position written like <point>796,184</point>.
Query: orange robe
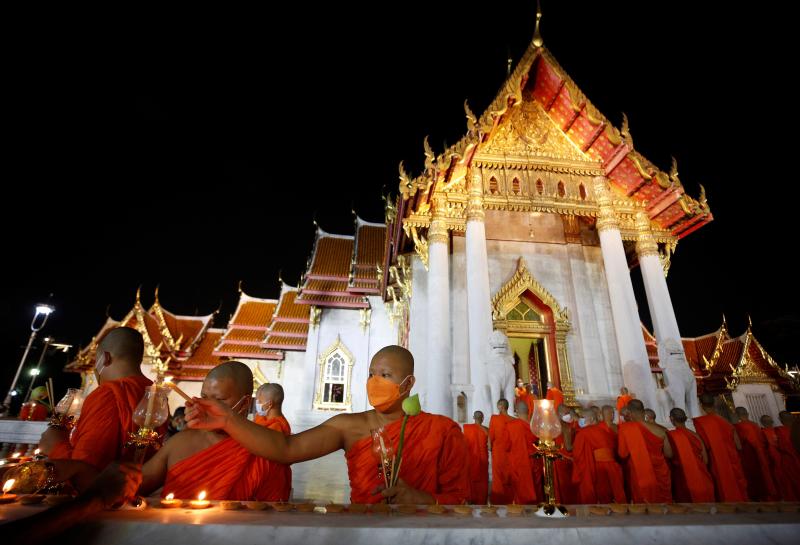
<point>790,461</point>
<point>526,473</point>
<point>105,421</point>
<point>434,460</point>
<point>611,432</point>
<point>227,471</point>
<point>622,402</point>
<point>755,462</point>
<point>726,466</point>
<point>478,446</point>
<point>566,492</point>
<point>34,411</point>
<point>554,395</point>
<point>595,469</point>
<point>277,423</point>
<point>519,395</point>
<point>782,483</point>
<point>648,473</point>
<point>691,481</point>
<point>502,492</point>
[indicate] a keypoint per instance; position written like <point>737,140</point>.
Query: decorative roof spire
<point>537,35</point>
<point>239,287</point>
<point>429,155</point>
<point>472,121</point>
<point>156,301</point>
<point>139,295</point>
<point>626,132</point>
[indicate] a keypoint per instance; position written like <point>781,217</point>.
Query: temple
<point>531,224</point>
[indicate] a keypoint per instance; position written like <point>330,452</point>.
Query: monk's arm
<point>667,447</point>
<point>314,443</point>
<point>736,440</point>
<point>77,472</point>
<point>154,471</point>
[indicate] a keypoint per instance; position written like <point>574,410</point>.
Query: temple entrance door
<point>530,356</point>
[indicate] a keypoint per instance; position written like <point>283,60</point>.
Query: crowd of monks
<point>606,454</point>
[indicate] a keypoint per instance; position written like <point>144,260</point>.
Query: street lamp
<point>36,371</point>
<point>43,311</point>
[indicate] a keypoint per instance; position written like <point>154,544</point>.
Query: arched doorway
<point>537,328</point>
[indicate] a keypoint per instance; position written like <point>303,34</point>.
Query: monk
<point>608,421</point>
<point>755,458</point>
<point>596,472</point>
<point>566,492</point>
<point>520,392</point>
<point>107,414</point>
<point>645,447</point>
<point>502,491</point>
<point>722,442</point>
<point>790,460</point>
<point>35,409</point>
<point>434,462</point>
<point>554,395</point>
<point>650,418</point>
<point>269,404</point>
<point>477,437</point>
<point>526,470</point>
<point>691,480</point>
<point>782,482</point>
<point>622,401</point>
<point>193,461</point>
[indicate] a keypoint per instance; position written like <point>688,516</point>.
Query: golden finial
<point>509,63</point>
<point>429,155</point>
<point>673,172</point>
<point>139,295</point>
<point>404,178</point>
<point>537,35</point>
<point>472,121</point>
<point>156,302</point>
<point>702,198</point>
<point>108,310</point>
<point>280,278</point>
<point>724,321</point>
<point>749,322</point>
<point>239,288</point>
<point>626,132</point>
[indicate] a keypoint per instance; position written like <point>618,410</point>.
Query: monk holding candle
<point>691,481</point>
<point>755,458</point>
<point>723,446</point>
<point>477,437</point>
<point>269,403</point>
<point>645,447</point>
<point>434,459</point>
<point>107,414</point>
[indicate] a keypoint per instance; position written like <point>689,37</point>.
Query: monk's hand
<point>402,493</point>
<point>117,484</point>
<point>207,414</point>
<point>51,437</point>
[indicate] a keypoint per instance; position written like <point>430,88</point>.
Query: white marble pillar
<point>479,310</point>
<point>439,360</point>
<point>636,372</point>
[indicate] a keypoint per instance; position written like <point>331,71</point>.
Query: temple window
<point>335,372</point>
<point>523,313</point>
<point>561,190</point>
<point>582,190</point>
<point>515,186</point>
<point>539,187</point>
<point>493,186</point>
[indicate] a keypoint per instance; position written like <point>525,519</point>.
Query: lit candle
<point>36,452</point>
<point>16,455</point>
<point>201,502</point>
<point>168,382</point>
<point>6,497</point>
<point>148,417</point>
<point>170,501</point>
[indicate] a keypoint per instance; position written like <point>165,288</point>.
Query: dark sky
<point>192,149</point>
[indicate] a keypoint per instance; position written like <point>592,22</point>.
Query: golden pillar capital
<point>437,232</point>
<point>645,243</point>
<point>475,204</point>
<point>607,219</point>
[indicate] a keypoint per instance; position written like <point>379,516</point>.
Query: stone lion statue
<point>500,368</point>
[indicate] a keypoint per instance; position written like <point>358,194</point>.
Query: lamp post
<point>44,311</point>
<point>36,370</point>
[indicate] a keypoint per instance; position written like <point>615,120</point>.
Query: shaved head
<point>238,374</point>
<point>707,401</point>
<point>522,408</point>
<point>396,356</point>
<point>608,411</point>
<point>650,415</point>
<point>742,413</point>
<point>678,415</point>
<point>478,417</point>
<point>766,421</point>
<point>623,390</point>
<point>270,392</point>
<point>635,406</point>
<point>502,404</point>
<point>125,344</point>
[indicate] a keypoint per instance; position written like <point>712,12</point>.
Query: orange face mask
<point>382,393</point>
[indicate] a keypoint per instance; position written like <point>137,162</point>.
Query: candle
<point>170,501</point>
<point>148,416</point>
<point>168,382</point>
<point>201,502</point>
<point>36,452</point>
<point>6,497</point>
<point>16,455</point>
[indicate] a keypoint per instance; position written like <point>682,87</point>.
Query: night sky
<point>193,149</point>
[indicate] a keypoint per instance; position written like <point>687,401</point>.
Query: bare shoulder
<point>655,429</point>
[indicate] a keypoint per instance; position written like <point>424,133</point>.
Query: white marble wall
<point>773,402</point>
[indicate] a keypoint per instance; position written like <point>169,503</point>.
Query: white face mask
<point>100,365</point>
<point>262,409</point>
<point>581,422</point>
<point>567,418</point>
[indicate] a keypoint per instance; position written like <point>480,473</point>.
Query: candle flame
<point>9,485</point>
<point>202,495</point>
<point>545,403</point>
<point>36,452</point>
<point>167,379</point>
<point>170,496</point>
<point>16,455</point>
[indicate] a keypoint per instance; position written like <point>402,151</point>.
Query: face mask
<point>261,410</point>
<point>567,418</point>
<point>98,370</point>
<point>581,422</point>
<point>383,393</point>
